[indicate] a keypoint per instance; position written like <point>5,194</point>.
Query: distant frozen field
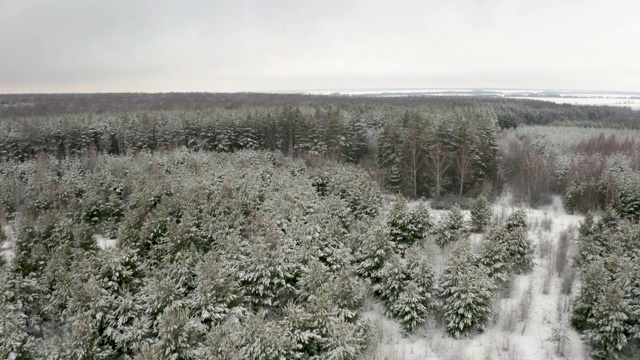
<point>627,99</point>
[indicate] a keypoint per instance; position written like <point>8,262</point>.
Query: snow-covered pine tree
<point>409,307</point>
<point>480,214</point>
<point>179,335</point>
<point>496,256</point>
<point>224,341</point>
<point>347,294</point>
<point>16,342</point>
<point>452,228</point>
<point>394,276</point>
<point>586,226</point>
<point>609,327</point>
<point>217,291</point>
<point>265,339</point>
<point>372,253</point>
<point>407,227</point>
<point>594,282</point>
<point>466,293</point>
<point>517,219</point>
<point>421,272</point>
<point>346,340</point>
<point>521,250</point>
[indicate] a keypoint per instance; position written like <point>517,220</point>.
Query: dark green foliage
<point>496,255</point>
<point>521,250</point>
<point>516,220</point>
<point>480,214</point>
<point>452,228</point>
<point>609,325</point>
<point>372,253</point>
<point>407,227</point>
<point>466,293</point>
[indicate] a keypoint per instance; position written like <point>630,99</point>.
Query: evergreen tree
<point>179,336</point>
<point>409,307</point>
<point>466,293</point>
<point>480,214</point>
<point>521,250</point>
<point>452,228</point>
<point>517,219</point>
<point>609,326</point>
<point>496,255</point>
<point>372,254</point>
<point>407,227</point>
<point>594,283</point>
<point>394,276</point>
<point>16,342</point>
<point>421,272</point>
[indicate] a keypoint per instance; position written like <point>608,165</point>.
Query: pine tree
<point>517,219</point>
<point>609,327</point>
<point>496,256</point>
<point>466,293</point>
<point>409,307</point>
<point>346,340</point>
<point>407,227</point>
<point>452,228</point>
<point>217,291</point>
<point>594,283</point>
<point>521,250</point>
<point>16,342</point>
<point>394,276</point>
<point>480,214</point>
<point>421,272</point>
<point>179,336</point>
<point>586,226</point>
<point>372,254</point>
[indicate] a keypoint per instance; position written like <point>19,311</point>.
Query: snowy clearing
<point>531,322</point>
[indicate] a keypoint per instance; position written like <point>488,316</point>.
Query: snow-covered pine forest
<point>254,226</point>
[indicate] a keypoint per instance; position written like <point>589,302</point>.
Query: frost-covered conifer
<point>452,228</point>
<point>421,272</point>
<point>409,307</point>
<point>393,278</point>
<point>16,342</point>
<point>407,227</point>
<point>224,341</point>
<point>217,290</point>
<point>372,253</point>
<point>594,283</point>
<point>517,219</point>
<point>586,226</point>
<point>496,255</point>
<point>521,250</point>
<point>267,278</point>
<point>480,214</point>
<point>609,326</point>
<point>346,340</point>
<point>347,295</point>
<point>466,293</point>
<point>179,335</point>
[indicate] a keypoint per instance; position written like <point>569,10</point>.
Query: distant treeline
<point>417,146</point>
<point>510,111</point>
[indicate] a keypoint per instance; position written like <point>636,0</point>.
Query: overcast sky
<point>280,45</point>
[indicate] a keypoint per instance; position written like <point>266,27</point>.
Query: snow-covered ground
<point>6,248</point>
<point>526,320</point>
